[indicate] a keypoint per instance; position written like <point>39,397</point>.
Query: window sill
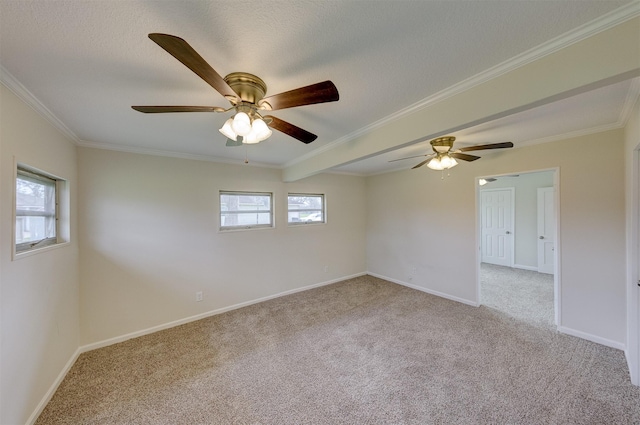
<point>307,223</point>
<point>29,253</point>
<point>244,229</point>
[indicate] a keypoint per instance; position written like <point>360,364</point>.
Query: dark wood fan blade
<point>181,50</point>
<point>409,157</point>
<point>296,132</point>
<point>489,146</point>
<point>315,93</point>
<point>464,156</point>
<point>422,163</point>
<point>161,109</point>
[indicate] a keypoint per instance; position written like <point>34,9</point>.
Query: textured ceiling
<point>87,62</point>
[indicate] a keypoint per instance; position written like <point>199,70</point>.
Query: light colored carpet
<point>363,351</point>
<point>523,295</point>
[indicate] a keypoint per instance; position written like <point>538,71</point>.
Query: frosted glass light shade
<point>251,138</point>
<point>241,124</point>
<point>448,162</point>
<point>435,164</point>
<point>261,130</point>
<point>227,130</point>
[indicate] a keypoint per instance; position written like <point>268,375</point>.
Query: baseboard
<point>592,338</point>
<point>47,397</point>
<point>523,267</point>
<point>633,374</point>
<point>428,291</point>
<point>136,334</point>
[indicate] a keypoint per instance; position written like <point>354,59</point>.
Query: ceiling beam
<point>608,57</point>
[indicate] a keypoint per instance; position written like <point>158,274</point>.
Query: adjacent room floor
<point>520,294</point>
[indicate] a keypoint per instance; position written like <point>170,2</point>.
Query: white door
<point>546,230</point>
<point>497,230</point>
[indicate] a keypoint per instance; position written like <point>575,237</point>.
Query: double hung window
<point>245,210</point>
<point>36,210</point>
<point>305,208</point>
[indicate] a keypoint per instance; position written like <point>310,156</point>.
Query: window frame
<point>322,209</point>
<point>29,247</point>
<point>240,227</point>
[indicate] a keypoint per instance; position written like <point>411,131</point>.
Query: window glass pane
<point>35,207</point>
<point>245,219</point>
<point>305,208</point>
<point>238,209</point>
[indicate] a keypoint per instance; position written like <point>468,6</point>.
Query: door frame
<point>633,273</point>
<point>557,265</point>
<point>512,217</point>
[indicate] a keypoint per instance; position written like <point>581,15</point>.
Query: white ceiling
<point>86,62</point>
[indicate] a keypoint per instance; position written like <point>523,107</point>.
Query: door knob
<point>508,232</point>
<point>541,237</point>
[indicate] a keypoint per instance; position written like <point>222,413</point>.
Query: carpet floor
<point>362,351</point>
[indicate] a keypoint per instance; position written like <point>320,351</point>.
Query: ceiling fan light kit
<point>442,162</point>
<point>246,94</point>
<point>247,125</point>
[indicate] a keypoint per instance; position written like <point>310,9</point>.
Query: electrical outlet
<point>326,269</point>
<point>199,296</point>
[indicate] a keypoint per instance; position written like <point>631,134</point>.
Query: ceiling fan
<point>444,157</point>
<point>246,93</point>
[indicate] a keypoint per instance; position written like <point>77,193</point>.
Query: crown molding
<point>603,23</point>
<point>570,135</point>
<point>171,154</point>
<point>16,87</point>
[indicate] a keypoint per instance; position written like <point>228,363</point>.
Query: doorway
<point>525,284</point>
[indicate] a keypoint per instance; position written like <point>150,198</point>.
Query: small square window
<point>36,224</point>
<point>305,208</point>
<point>245,210</point>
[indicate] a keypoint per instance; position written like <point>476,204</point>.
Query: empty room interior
<point>319,212</point>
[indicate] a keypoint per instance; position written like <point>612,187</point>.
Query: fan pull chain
<point>246,160</point>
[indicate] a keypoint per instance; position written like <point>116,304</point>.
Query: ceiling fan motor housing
<point>250,89</point>
<point>442,144</point>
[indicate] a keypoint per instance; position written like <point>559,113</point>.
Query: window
<point>36,210</point>
<point>305,208</point>
<point>245,210</point>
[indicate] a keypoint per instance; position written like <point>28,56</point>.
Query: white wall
<point>39,294</point>
<point>632,185</point>
<point>149,239</point>
<point>416,220</point>
<point>526,213</point>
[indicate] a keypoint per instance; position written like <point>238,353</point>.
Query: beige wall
<point>416,220</point>
<point>39,294</point>
<point>149,239</point>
